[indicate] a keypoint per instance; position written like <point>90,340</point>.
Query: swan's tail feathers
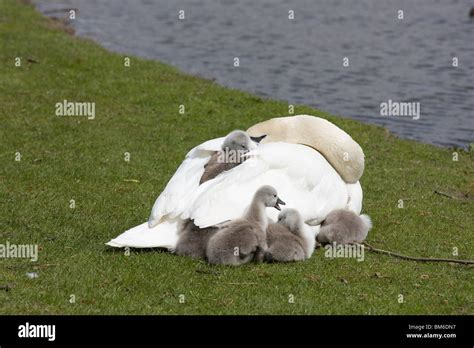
<point>163,235</point>
<point>367,221</point>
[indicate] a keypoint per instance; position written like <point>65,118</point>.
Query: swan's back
<point>302,177</point>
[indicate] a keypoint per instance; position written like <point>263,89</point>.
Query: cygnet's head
<point>268,196</point>
<point>290,218</point>
<point>240,141</point>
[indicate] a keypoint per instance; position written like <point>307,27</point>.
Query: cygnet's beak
<point>278,202</point>
<point>258,139</point>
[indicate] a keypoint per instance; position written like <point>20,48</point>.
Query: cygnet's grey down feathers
<point>283,246</point>
<point>215,166</point>
<point>236,144</point>
<point>241,242</point>
<point>343,227</point>
<point>244,239</point>
<point>193,240</point>
<point>287,240</point>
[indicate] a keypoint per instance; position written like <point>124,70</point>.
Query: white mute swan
<point>285,161</point>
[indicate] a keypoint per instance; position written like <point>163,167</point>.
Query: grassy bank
<point>137,111</point>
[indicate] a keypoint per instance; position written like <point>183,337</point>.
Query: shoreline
<point>60,16</point>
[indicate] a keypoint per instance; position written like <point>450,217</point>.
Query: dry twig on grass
<point>413,258</point>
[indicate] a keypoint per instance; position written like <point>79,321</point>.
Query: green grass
<point>64,158</point>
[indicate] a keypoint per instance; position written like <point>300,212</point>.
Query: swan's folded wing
<point>184,183</point>
<point>302,177</point>
<point>207,146</point>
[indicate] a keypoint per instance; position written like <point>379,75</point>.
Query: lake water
<point>301,60</point>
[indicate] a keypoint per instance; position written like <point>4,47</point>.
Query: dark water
<point>301,60</point>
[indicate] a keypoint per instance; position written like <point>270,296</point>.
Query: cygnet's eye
<point>275,196</point>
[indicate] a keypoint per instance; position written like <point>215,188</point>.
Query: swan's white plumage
<point>355,197</point>
<point>302,176</point>
<point>164,235</point>
<point>338,147</point>
<point>185,181</point>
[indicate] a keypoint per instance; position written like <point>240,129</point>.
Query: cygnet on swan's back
<point>235,145</point>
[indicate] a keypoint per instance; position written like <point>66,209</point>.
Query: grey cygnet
<point>236,144</point>
<point>288,239</point>
<point>343,227</point>
<point>193,240</point>
<point>244,239</point>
